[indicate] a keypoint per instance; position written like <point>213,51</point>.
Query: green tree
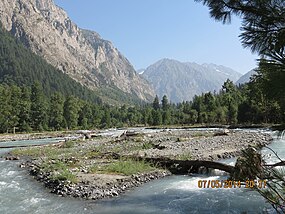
<point>25,110</point>
<point>263,31</point>
<point>232,99</point>
<point>263,23</point>
<point>155,103</point>
<point>164,103</point>
<point>193,116</point>
<point>85,116</point>
<point>166,117</point>
<point>56,111</point>
<point>221,114</point>
<point>70,112</point>
<point>106,119</point>
<point>156,117</point>
<point>5,109</point>
<point>38,108</point>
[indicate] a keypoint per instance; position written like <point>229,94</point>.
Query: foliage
<point>263,31</point>
<point>19,66</point>
<point>68,144</point>
<point>125,167</point>
<point>251,166</point>
<point>59,171</point>
<point>263,23</point>
<point>47,151</point>
<point>184,156</point>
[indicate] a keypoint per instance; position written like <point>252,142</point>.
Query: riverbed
<point>20,193</point>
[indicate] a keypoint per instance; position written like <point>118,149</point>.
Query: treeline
<point>245,104</point>
<point>30,109</point>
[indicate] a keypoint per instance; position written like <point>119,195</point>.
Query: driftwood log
<point>186,166</point>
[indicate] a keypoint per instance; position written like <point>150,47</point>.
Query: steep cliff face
<point>48,31</point>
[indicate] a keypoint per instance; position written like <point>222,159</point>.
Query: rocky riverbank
<point>102,167</point>
<point>96,186</point>
<point>31,136</point>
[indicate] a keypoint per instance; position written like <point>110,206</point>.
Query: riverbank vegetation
<point>26,109</point>
<point>62,162</point>
<point>105,166</point>
<point>263,32</point>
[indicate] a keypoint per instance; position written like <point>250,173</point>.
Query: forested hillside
<point>46,30</point>
<point>21,67</point>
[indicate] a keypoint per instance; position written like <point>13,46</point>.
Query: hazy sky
<point>148,30</point>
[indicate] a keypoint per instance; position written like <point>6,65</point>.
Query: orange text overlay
<point>231,184</point>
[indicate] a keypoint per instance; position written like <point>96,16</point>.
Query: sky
<point>146,31</point>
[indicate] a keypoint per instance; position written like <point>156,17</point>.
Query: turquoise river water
<point>20,193</point>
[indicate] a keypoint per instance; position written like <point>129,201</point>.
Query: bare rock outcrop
<point>48,31</point>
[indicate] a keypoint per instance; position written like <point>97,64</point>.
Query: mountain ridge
<point>47,30</point>
<point>181,81</point>
<point>246,77</point>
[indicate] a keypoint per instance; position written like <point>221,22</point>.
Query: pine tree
<point>263,24</point>
<point>70,112</point>
<point>106,119</point>
<point>38,108</point>
<point>156,117</point>
<point>155,103</point>
<point>164,103</point>
<point>56,111</point>
<point>25,110</point>
<point>166,117</point>
<point>85,116</point>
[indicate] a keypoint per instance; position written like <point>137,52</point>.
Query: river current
<point>20,193</point>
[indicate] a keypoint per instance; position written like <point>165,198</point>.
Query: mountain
<point>92,61</point>
<point>245,78</point>
<point>20,66</point>
<point>140,71</point>
<point>181,81</point>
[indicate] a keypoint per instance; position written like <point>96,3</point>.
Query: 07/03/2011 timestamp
<point>231,184</point>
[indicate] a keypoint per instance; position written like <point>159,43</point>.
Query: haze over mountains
<point>246,77</point>
<point>181,81</point>
<point>47,30</point>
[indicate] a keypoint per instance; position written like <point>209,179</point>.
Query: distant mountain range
<point>181,81</point>
<point>246,77</point>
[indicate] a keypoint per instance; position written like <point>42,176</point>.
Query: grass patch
<point>60,170</point>
<point>91,154</point>
<point>47,151</point>
<point>65,175</point>
<point>124,167</point>
<point>184,156</point>
<point>147,145</point>
<point>68,144</point>
<point>202,134</point>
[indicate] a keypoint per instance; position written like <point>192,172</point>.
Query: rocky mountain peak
<point>44,4</point>
<point>48,31</point>
<point>181,81</point>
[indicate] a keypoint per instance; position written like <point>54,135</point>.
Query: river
<point>20,193</point>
